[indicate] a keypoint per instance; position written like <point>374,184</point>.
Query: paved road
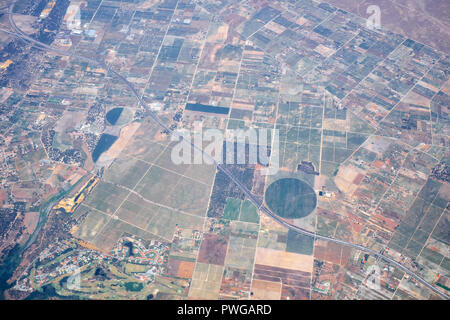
<point>19,33</point>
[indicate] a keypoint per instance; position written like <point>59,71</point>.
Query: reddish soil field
<point>213,249</point>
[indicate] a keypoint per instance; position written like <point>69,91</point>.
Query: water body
<point>206,108</point>
<point>42,220</point>
<point>129,245</point>
<point>113,115</point>
<point>45,209</point>
<point>105,142</point>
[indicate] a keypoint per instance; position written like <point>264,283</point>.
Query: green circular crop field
<point>290,198</point>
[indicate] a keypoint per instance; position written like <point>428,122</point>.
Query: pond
<point>113,115</point>
<point>105,142</point>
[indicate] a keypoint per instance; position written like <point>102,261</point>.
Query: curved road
<point>19,33</point>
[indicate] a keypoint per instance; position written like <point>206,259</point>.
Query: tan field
<point>275,27</point>
<point>324,51</point>
<point>345,179</point>
<point>266,290</point>
<point>125,135</point>
<point>206,281</point>
<point>283,259</point>
<point>30,221</point>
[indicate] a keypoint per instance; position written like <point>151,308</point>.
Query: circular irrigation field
<point>290,198</point>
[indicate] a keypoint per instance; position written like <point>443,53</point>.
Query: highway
<point>20,34</point>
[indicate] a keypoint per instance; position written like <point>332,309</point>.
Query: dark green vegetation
<point>237,209</point>
<point>299,243</point>
<point>291,198</point>
<point>10,262</point>
<point>232,209</point>
<point>206,108</point>
<point>229,52</point>
<point>113,115</point>
<point>7,267</point>
<point>47,292</point>
<point>134,286</point>
<point>106,141</point>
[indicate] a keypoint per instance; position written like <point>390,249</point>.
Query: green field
<point>299,243</point>
<point>232,209</point>
<point>291,198</point>
<point>249,213</point>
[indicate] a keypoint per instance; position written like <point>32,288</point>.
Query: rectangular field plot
<point>249,213</point>
<point>318,131</point>
<point>157,184</point>
<point>126,171</point>
<point>272,236</point>
<point>232,209</point>
<point>138,217</point>
<point>115,229</point>
<point>266,290</point>
<point>206,281</point>
<point>146,143</point>
<point>165,160</point>
<point>189,196</point>
<point>174,190</point>
<point>95,221</point>
<point>180,268</point>
<point>203,172</point>
<point>106,197</point>
<point>137,212</point>
<point>426,215</point>
<point>167,221</point>
<point>239,255</point>
<point>283,259</point>
<point>242,245</point>
<point>235,283</point>
<point>299,243</point>
<point>144,150</point>
<point>146,199</point>
<point>441,231</point>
